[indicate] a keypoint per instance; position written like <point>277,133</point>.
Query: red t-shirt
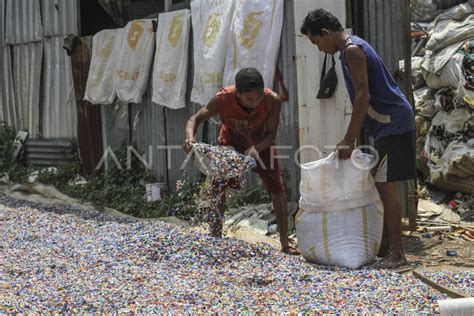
<point>239,128</point>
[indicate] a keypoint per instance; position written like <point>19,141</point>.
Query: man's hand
<point>344,149</point>
<point>253,152</point>
<point>188,144</point>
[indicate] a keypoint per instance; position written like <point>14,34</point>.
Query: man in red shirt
<point>249,116</point>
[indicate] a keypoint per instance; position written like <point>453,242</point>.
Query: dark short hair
<point>248,79</point>
<point>319,19</point>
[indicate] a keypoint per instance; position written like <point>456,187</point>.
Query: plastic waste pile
<point>443,79</point>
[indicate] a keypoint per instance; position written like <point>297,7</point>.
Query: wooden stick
<point>439,287</point>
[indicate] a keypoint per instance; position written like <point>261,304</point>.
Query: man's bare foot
<point>289,250</point>
<point>391,261</point>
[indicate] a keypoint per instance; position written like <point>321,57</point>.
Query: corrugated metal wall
<point>43,94</point>
<point>59,102</point>
<point>60,17</point>
<point>23,22</point>
<point>149,135</point>
<point>27,59</point>
<point>43,97</point>
<point>115,125</point>
<point>383,29</point>
<point>2,23</point>
<point>7,98</point>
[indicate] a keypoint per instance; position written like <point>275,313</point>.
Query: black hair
<point>248,79</point>
<point>319,19</point>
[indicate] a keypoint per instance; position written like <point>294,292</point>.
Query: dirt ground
<point>429,252</point>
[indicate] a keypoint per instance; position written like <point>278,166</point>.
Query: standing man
<point>250,115</point>
<point>380,106</point>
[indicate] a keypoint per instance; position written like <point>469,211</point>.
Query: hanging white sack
<point>100,87</point>
<point>254,39</point>
<point>211,21</point>
<point>340,220</point>
<point>171,59</point>
<point>134,62</point>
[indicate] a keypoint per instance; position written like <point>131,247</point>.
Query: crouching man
<point>249,115</point>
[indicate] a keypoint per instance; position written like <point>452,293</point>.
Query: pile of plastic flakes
<point>221,162</point>
<point>461,281</point>
<point>60,262</point>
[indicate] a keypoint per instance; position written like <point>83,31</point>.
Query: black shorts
<point>397,158</point>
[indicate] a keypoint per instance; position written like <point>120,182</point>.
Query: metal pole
<point>412,185</point>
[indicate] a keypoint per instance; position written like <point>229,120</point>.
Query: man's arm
<point>194,121</point>
<point>274,107</point>
<point>356,60</point>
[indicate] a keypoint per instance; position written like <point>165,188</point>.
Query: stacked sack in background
<point>340,220</point>
<point>443,77</point>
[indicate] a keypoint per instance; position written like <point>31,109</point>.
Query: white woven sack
<point>171,59</point>
<point>211,21</point>
<point>135,58</point>
<point>345,238</point>
<point>332,184</point>
<point>254,39</point>
<point>100,86</point>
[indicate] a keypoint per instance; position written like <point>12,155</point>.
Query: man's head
<point>320,26</point>
<point>249,86</point>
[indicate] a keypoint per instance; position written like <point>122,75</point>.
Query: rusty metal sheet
<point>89,133</point>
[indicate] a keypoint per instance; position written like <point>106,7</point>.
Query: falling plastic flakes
<point>220,162</point>
<point>59,261</point>
<point>225,167</point>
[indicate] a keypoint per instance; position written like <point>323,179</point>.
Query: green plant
<point>181,203</point>
<point>254,194</point>
<point>60,176</point>
<point>7,137</point>
<point>17,171</point>
<point>122,189</point>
